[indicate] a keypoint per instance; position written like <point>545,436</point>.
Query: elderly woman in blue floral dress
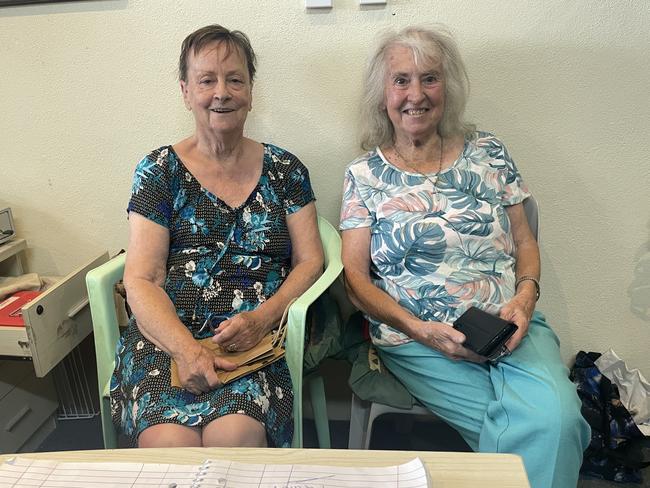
<point>433,223</point>
<point>221,227</point>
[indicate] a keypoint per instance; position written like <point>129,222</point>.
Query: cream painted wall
<point>88,88</point>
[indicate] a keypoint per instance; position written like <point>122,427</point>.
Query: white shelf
<point>11,248</point>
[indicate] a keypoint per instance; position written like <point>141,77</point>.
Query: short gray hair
<point>427,44</point>
<point>199,39</point>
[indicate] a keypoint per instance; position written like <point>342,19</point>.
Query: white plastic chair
<point>364,413</point>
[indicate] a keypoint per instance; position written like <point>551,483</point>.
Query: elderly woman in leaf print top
<point>433,223</point>
<point>223,229</point>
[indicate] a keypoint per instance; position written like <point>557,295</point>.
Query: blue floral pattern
<point>221,261</point>
<point>439,251</point>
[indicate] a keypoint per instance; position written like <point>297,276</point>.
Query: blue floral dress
<point>437,251</point>
<point>222,261</point>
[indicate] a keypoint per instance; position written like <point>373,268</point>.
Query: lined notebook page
<point>29,473</point>
<point>213,473</point>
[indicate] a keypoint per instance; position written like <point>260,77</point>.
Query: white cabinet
<point>55,323</point>
<point>27,404</point>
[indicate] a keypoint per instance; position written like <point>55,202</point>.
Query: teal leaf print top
<point>439,251</point>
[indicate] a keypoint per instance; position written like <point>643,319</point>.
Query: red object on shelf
<point>11,308</point>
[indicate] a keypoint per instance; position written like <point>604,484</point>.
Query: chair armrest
<point>295,342</point>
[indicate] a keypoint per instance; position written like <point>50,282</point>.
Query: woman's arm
<point>378,304</point>
<point>144,276</point>
<point>246,329</point>
<point>520,309</point>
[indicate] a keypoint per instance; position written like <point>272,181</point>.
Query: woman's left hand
<point>518,310</point>
<point>241,332</point>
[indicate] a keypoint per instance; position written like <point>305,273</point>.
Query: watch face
<point>6,225</point>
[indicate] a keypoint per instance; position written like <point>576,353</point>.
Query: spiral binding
<point>202,475</point>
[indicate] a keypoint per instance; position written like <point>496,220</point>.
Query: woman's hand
<point>519,310</point>
<point>241,332</point>
<point>197,370</point>
<point>446,339</point>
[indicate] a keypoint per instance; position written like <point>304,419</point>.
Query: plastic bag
<point>632,386</point>
<point>616,448</point>
<point>373,383</point>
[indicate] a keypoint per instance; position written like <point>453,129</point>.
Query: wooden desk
<point>446,469</point>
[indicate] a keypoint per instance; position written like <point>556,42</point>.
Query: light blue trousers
<point>525,404</point>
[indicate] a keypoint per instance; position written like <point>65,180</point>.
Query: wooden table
<point>446,469</point>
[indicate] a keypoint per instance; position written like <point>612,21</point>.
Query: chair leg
<point>319,407</point>
<point>374,411</point>
<point>108,429</point>
<point>359,412</point>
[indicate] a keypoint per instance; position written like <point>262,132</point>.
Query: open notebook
<point>214,473</point>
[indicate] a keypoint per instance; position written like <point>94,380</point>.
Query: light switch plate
<point>318,3</point>
<point>372,2</point>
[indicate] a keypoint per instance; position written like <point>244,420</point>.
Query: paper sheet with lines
<point>29,473</point>
<point>227,474</point>
<point>213,473</point>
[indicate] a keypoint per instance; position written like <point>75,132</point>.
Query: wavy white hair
<point>428,45</point>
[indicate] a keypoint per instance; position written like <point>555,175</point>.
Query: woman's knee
<point>557,410</point>
<point>573,427</point>
<point>235,430</point>
<point>169,435</point>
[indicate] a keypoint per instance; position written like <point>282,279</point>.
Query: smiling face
<point>218,89</point>
<point>414,94</point>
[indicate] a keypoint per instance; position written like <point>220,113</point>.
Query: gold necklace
<point>434,182</point>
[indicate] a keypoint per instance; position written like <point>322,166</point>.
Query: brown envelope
<point>267,351</point>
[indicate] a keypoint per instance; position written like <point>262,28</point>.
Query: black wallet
<point>485,333</point>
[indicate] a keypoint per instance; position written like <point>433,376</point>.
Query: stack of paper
<point>213,473</point>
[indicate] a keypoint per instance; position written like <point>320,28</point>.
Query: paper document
<point>213,473</point>
<point>22,472</point>
<point>222,474</point>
